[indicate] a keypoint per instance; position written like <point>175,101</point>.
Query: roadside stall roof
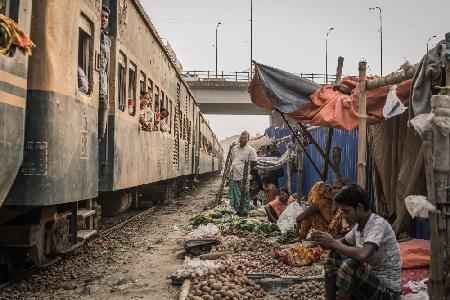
<point>310,103</point>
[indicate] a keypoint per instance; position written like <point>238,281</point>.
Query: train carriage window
<point>84,76</point>
<point>169,107</point>
<point>10,8</point>
<point>132,89</point>
<point>142,82</point>
<point>156,98</point>
<point>122,81</point>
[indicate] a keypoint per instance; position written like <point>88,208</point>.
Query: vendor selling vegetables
<point>241,153</point>
<point>365,263</point>
<point>278,205</point>
<point>319,214</point>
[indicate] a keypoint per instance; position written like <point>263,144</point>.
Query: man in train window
<point>105,46</point>
<point>241,153</point>
<point>164,114</point>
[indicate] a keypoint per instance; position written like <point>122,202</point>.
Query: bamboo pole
<point>299,173</point>
<point>226,172</point>
<point>243,189</point>
<point>336,154</point>
<point>362,128</point>
<point>339,70</point>
<point>184,293</point>
<point>289,170</point>
<point>393,78</point>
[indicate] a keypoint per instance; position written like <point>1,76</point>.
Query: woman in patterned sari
<point>319,213</point>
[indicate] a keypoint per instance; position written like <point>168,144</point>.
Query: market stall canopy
<point>261,142</point>
<point>310,103</point>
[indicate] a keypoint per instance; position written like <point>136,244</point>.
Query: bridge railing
<point>245,76</point>
<point>211,75</point>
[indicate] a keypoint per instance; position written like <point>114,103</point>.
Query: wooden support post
<point>226,172</point>
<point>336,153</point>
<point>330,130</point>
<point>393,78</point>
<point>339,70</point>
<point>243,189</point>
<point>362,128</point>
<point>299,173</point>
<point>185,289</point>
<point>289,170</point>
<point>441,166</point>
<point>327,153</point>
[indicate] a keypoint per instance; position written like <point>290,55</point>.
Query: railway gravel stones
<point>95,269</point>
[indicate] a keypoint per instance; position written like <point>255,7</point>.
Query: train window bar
<point>132,89</point>
<point>122,81</point>
<point>85,58</point>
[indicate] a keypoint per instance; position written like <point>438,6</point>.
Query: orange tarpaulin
<point>310,103</point>
<point>334,109</point>
<point>415,254</point>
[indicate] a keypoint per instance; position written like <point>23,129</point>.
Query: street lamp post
<point>217,27</point>
<point>251,39</point>
<point>432,37</point>
<point>326,55</point>
<point>381,39</point>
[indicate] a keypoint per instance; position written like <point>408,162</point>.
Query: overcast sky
<point>290,35</point>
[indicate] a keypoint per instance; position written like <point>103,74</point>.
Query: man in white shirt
<point>366,263</point>
<point>241,153</point>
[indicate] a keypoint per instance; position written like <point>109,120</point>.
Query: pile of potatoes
<point>304,291</point>
<point>224,283</point>
<point>262,262</point>
<point>253,262</point>
<point>304,272</point>
<point>251,243</point>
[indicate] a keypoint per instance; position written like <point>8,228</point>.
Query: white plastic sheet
<point>418,206</point>
<point>206,231</point>
<point>288,217</point>
<point>393,106</point>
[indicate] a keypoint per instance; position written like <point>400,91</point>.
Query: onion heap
<point>262,262</point>
<point>304,291</point>
<point>225,283</point>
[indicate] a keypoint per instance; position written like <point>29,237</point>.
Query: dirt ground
<point>134,262</point>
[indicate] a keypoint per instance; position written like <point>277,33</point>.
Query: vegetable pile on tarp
<point>300,255</point>
<point>234,244</point>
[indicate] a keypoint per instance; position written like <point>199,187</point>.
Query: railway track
<point>103,233</point>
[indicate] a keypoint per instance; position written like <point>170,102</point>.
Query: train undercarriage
<point>38,235</point>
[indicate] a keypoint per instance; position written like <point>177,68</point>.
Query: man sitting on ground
<point>365,264</point>
<point>276,207</point>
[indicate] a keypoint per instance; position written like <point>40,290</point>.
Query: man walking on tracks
<point>241,153</point>
<point>105,46</point>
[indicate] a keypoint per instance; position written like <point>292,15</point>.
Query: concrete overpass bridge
<point>227,93</point>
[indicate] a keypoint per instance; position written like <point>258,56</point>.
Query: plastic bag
<point>195,267</point>
<point>206,231</point>
<point>288,217</point>
<point>393,106</point>
<point>418,206</point>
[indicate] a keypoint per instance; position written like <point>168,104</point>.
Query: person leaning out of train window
<point>83,83</point>
<point>105,48</point>
<point>164,114</point>
<point>146,112</point>
<point>276,207</point>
